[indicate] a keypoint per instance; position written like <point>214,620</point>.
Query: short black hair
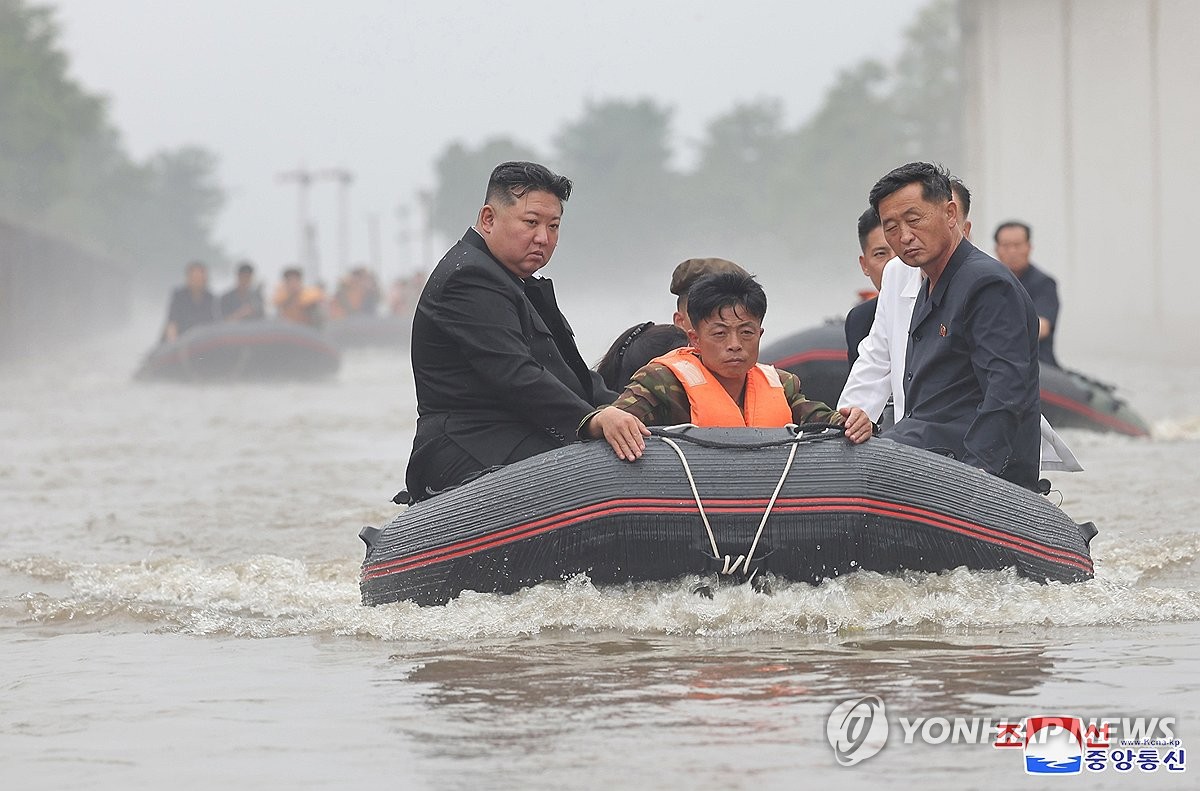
<point>1012,224</point>
<point>934,181</point>
<point>962,194</point>
<point>293,271</point>
<point>713,293</point>
<point>510,181</point>
<point>245,268</point>
<point>867,222</point>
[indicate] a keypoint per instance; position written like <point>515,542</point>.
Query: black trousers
<point>442,464</point>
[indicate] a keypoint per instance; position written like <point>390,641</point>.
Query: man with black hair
<point>717,380</point>
<point>877,362</point>
<point>245,300</point>
<point>498,375</point>
<point>971,380</point>
<point>192,304</point>
<point>875,255</point>
<point>1013,246</point>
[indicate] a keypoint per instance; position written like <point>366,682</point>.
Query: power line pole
<point>303,178</point>
<point>344,179</point>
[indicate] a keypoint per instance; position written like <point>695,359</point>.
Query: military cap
<point>693,269</point>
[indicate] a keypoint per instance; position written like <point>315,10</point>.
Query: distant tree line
<point>65,172</point>
<point>788,197</point>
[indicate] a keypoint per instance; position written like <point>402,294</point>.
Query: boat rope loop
<point>732,565</point>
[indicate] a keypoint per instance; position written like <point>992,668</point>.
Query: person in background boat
<point>875,255</point>
<point>688,273</point>
<point>971,385</point>
<point>717,380</point>
<point>402,296</point>
<point>245,300</point>
<point>635,347</point>
<point>192,304</point>
<point>497,372</point>
<point>357,295</point>
<point>297,302</point>
<point>1013,247</point>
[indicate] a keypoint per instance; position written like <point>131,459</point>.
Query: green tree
<point>623,212</point>
<point>64,170</point>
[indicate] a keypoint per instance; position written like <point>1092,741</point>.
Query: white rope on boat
<point>731,565</point>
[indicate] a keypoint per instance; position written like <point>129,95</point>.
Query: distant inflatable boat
<point>1069,399</point>
<point>243,351</point>
<point>355,332</point>
<point>726,502</point>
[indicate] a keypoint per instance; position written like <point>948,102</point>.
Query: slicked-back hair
<point>962,195</point>
<point>511,181</point>
<point>1012,224</point>
<point>934,181</point>
<point>867,222</point>
<point>713,293</point>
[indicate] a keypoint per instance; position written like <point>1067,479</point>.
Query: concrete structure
<point>1081,121</point>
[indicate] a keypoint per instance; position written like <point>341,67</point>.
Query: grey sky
<point>382,86</point>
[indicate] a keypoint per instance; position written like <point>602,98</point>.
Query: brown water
<point>179,608</point>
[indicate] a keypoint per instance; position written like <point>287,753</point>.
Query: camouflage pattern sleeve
<point>803,410</point>
<point>654,396</point>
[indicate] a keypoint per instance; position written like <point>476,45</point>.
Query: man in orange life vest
<point>716,381</point>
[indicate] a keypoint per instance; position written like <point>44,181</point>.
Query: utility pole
<point>344,179</point>
<point>303,178</point>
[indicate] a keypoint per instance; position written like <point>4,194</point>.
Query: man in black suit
<point>498,375</point>
<point>971,381</point>
<point>1013,246</point>
<point>875,255</point>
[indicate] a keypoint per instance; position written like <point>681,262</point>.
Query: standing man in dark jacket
<point>971,386</point>
<point>498,375</point>
<point>1013,246</point>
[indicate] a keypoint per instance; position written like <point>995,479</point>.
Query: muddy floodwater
<point>179,609</point>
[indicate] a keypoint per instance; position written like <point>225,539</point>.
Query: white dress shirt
<point>878,373</point>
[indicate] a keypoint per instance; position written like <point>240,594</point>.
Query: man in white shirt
<point>878,373</point>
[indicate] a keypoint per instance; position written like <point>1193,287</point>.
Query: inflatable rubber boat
<point>363,331</point>
<point>1069,399</point>
<point>818,356</point>
<point>243,351</point>
<point>736,503</point>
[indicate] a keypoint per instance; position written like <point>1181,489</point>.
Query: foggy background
<point>136,135</point>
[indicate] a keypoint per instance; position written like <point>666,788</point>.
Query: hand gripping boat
<point>801,505</point>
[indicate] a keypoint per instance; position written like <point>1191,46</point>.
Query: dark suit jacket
<point>495,365</point>
<point>858,326</point>
<point>971,381</point>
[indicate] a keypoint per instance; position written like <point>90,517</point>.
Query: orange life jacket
<point>766,405</point>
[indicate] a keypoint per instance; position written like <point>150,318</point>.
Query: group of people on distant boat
<point>954,340</point>
<point>357,294</point>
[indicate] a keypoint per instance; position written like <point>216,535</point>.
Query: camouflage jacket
<point>656,397</point>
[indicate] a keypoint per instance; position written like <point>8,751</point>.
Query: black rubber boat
<point>1069,399</point>
<point>818,356</point>
<point>1072,400</point>
<point>356,332</point>
<point>832,508</point>
<point>244,351</point>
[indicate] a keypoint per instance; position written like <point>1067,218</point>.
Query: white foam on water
<point>271,596</point>
<point>1176,430</point>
